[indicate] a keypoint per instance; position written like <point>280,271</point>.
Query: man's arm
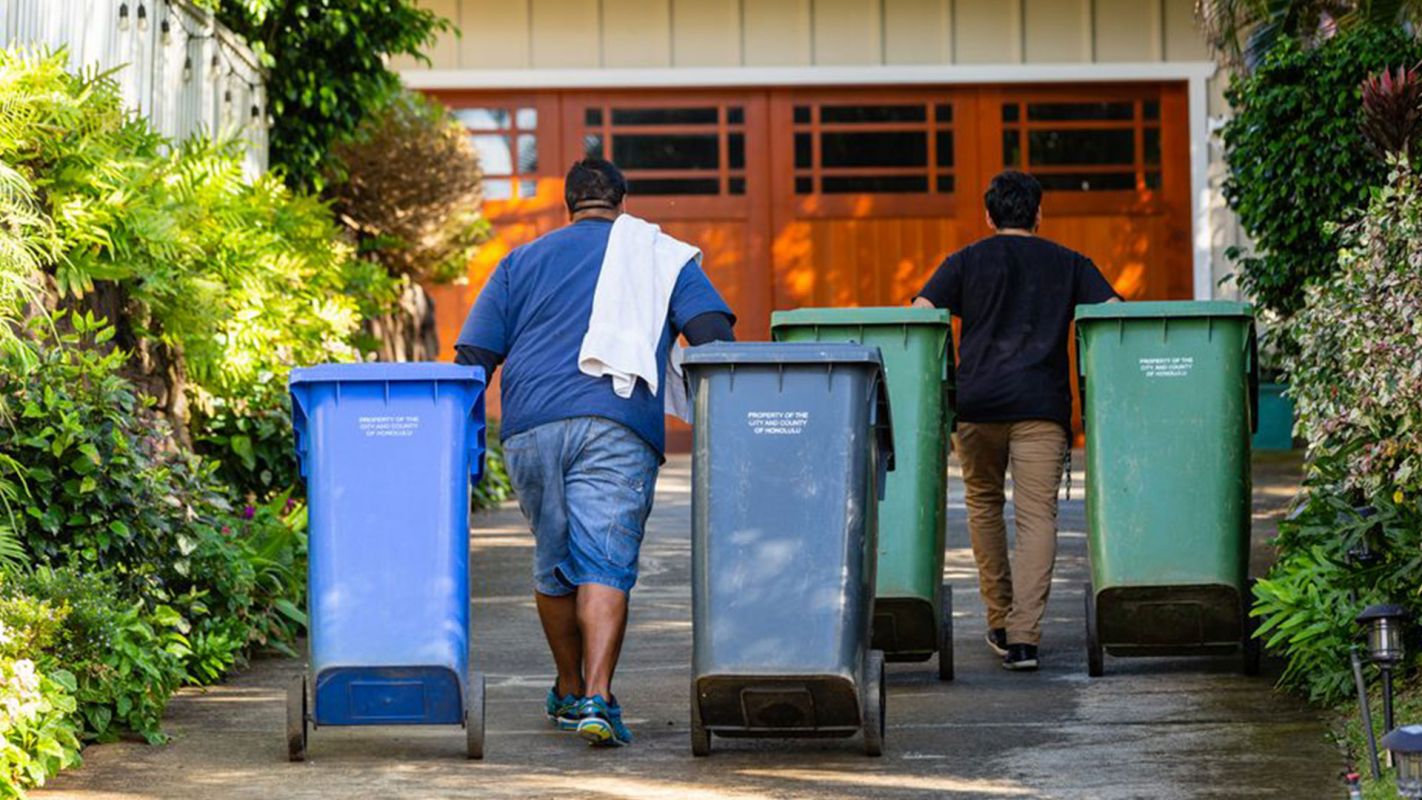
<point>945,288</point>
<point>470,356</point>
<point>712,326</point>
<point>483,340</point>
<point>1092,286</point>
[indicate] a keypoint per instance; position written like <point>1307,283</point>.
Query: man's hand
<point>919,302</point>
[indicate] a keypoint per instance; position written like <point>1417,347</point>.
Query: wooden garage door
<point>879,186</point>
<point>845,197</point>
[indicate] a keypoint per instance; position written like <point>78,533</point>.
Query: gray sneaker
<point>997,640</point>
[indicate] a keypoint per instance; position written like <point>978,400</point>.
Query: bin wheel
<point>1095,658</point>
<point>296,718</point>
<point>874,702</point>
<point>945,636</point>
<point>1252,646</point>
<point>700,737</point>
<point>474,718</point>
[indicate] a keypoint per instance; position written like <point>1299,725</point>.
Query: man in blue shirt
<point>583,460</point>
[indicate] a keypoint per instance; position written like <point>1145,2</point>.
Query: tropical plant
<point>214,283</point>
<point>1392,111</point>
<point>1308,601</point>
<point>326,67</point>
<point>1356,377</point>
<point>1243,32</point>
<point>1298,160</point>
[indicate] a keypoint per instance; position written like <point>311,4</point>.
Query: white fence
<point>179,68</point>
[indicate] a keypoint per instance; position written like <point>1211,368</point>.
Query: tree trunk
<point>156,369</point>
<point>408,332</point>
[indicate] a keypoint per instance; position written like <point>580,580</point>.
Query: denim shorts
<point>586,486</point>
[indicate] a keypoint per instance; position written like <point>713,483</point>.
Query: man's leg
<point>1038,447</point>
<point>534,466</point>
<point>983,450</point>
<point>602,616</point>
<point>559,615</point>
<point>610,482</point>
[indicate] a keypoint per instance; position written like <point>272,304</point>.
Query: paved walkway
<point>1149,729</point>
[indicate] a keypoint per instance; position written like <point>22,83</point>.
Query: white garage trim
<point>704,77</point>
<point>1195,73</point>
<point>1204,236</point>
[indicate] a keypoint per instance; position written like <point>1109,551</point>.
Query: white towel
<point>630,304</point>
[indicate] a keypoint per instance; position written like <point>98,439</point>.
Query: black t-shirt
<point>1016,296</point>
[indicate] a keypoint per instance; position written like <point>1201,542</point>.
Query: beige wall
<point>517,34</point>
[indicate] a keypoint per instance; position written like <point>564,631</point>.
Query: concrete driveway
<point>1182,728</point>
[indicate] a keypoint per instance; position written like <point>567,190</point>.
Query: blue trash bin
<point>388,452</point>
<point>792,445</point>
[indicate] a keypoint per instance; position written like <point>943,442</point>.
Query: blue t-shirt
<point>534,311</point>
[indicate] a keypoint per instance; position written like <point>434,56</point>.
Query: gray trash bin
<point>791,445</point>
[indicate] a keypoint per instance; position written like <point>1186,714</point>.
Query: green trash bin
<point>913,607</point>
<point>1170,397</point>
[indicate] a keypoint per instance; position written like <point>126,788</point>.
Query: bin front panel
<point>1167,447</point>
<point>388,465</point>
<point>915,345</point>
<point>783,518</point>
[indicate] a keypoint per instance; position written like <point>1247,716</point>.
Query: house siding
<point>517,34</point>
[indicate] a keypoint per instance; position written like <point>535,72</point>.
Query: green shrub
<point>105,491</point>
<point>1358,388</point>
<point>411,189</point>
<point>218,283</point>
<point>126,660</point>
<point>108,493</point>
<point>325,69</point>
<point>1297,159</point>
<point>1356,381</point>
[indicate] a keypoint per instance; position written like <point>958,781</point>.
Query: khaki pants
<point>1016,593</point>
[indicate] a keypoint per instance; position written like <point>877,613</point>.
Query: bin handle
<point>475,439</point>
<point>298,426</point>
<point>1080,376</point>
<point>950,382</point>
<point>1253,378</point>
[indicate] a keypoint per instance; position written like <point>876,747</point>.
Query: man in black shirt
<point>1016,294</point>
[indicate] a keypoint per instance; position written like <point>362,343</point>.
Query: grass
<point>1348,727</point>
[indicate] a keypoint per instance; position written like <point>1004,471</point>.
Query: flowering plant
<point>38,733</point>
<point>1357,378</point>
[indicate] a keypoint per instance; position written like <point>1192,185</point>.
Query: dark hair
<point>594,183</point>
<point>1013,199</point>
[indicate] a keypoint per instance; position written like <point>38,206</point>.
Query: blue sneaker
<point>562,711</point>
<point>601,723</point>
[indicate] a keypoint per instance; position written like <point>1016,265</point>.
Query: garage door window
<point>691,150</point>
<point>506,140</point>
<point>873,149</point>
<point>1084,146</point>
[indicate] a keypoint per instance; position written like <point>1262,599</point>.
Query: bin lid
<point>878,315</point>
<point>1157,309</point>
<point>386,371</point>
<point>783,353</point>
